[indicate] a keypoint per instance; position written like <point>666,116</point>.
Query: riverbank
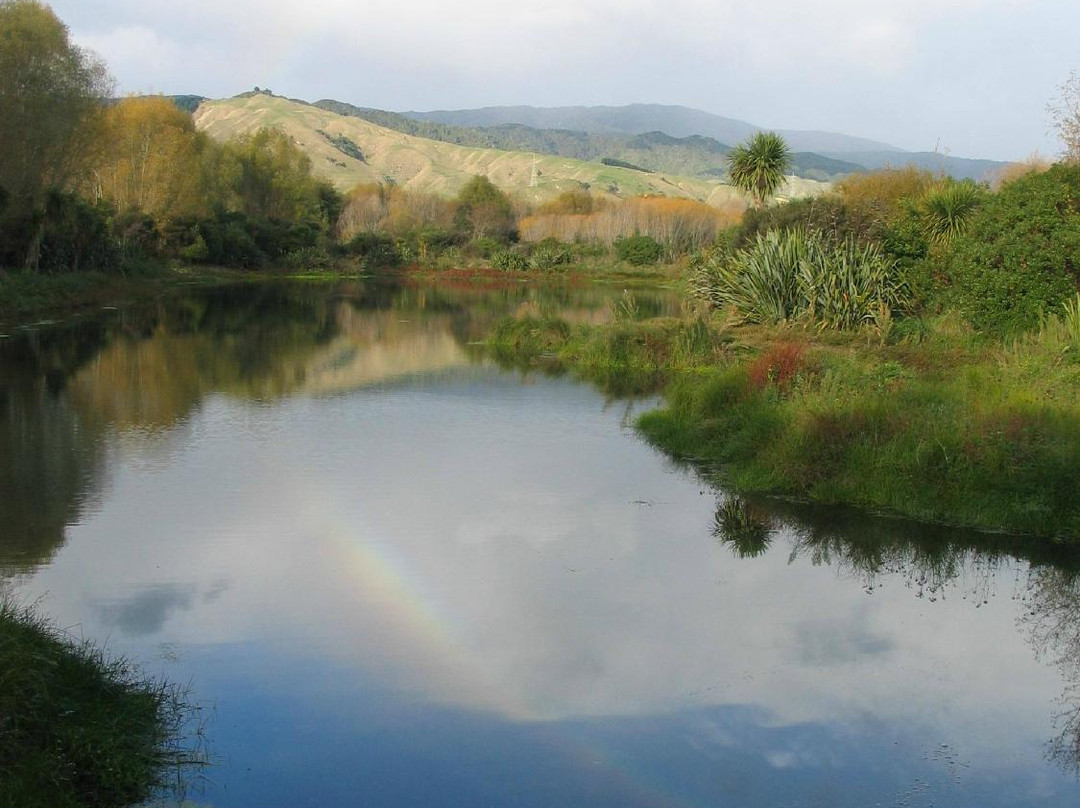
<point>78,727</point>
<point>933,423</point>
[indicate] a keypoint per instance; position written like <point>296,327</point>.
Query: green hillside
<point>348,150</point>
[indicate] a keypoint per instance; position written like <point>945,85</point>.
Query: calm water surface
<point>398,574</point>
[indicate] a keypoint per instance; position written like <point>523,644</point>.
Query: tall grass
<point>80,728</point>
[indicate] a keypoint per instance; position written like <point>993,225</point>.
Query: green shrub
<point>509,260</point>
<point>486,246</point>
<point>374,250</point>
<point>796,274</point>
<point>945,210</point>
<point>550,253</point>
<point>1020,256</point>
<point>317,257</point>
<point>638,250</point>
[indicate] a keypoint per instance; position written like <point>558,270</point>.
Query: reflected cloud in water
<point>350,525</point>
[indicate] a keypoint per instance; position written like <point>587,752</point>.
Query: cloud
<point>832,64</point>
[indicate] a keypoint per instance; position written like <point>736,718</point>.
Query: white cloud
<point>787,63</point>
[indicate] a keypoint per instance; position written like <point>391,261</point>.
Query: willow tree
<point>758,166</point>
<point>50,94</point>
<point>151,159</point>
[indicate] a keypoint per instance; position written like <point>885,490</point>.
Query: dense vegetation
<point>90,186</point>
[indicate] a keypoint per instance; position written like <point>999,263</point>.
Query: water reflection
<point>146,369</point>
<point>400,571</point>
<point>741,526</point>
<point>932,561</point>
<point>52,464</point>
<point>1052,617</point>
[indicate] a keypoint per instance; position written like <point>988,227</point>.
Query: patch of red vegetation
<point>778,366</point>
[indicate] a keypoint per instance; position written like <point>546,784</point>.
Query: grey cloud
<point>146,612</point>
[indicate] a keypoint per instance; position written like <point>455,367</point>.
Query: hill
<point>959,167</point>
<point>635,119</point>
<point>693,155</point>
<point>684,122</point>
<point>348,150</point>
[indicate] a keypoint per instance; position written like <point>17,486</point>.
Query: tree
<point>1065,117</point>
<point>50,95</point>
<point>758,166</point>
<point>270,177</point>
<point>485,210</point>
<point>150,159</point>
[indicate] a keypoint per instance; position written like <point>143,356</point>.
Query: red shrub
<point>778,365</point>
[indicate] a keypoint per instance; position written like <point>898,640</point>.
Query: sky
<point>968,77</point>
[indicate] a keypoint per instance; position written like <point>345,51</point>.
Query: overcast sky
<point>968,76</point>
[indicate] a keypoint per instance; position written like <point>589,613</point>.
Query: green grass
<point>79,727</point>
<point>626,357</point>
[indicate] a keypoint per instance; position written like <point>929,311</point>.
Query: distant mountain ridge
<point>634,119</point>
<point>684,122</point>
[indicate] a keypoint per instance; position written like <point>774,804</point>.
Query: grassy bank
<point>78,728</point>
<point>937,425</point>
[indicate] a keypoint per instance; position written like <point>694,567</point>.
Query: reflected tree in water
<point>1052,618</point>
<point>931,560</point>
<point>51,462</point>
<point>742,527</point>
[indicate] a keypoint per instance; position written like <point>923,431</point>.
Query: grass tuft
<point>79,727</point>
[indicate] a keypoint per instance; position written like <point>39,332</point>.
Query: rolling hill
<point>683,122</point>
<point>693,155</point>
<point>635,119</point>
<point>348,150</point>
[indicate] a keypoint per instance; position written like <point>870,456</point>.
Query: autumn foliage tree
<point>151,159</point>
<point>50,93</point>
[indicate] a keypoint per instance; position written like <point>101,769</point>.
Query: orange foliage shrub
<point>778,365</point>
<point>375,208</point>
<point>679,224</point>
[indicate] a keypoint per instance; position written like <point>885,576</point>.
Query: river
<point>395,573</point>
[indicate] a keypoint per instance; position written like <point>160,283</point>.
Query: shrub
<point>317,257</point>
<point>638,250</point>
<point>798,274</point>
<point>1021,254</point>
<point>945,210</point>
<point>549,254</point>
<point>509,260</point>
<point>374,250</point>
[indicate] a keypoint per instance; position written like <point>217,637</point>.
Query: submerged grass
<point>938,425</point>
<point>79,727</point>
